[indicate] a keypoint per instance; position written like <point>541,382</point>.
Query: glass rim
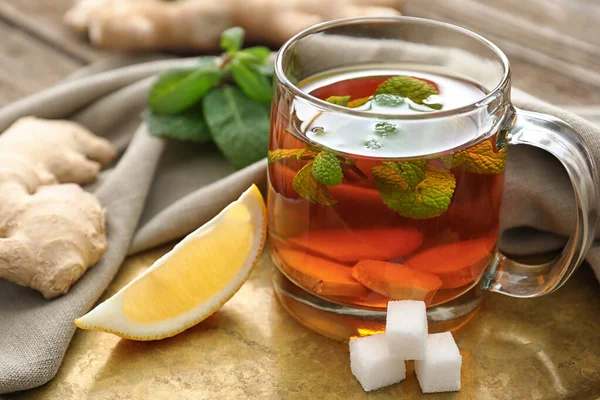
<point>324,26</point>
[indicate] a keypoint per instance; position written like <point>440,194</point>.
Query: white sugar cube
<point>406,329</point>
<point>373,365</point>
<point>440,370</point>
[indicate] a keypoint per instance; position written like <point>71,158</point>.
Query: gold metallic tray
<point>545,348</point>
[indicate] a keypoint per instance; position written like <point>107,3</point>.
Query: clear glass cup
<point>345,245</point>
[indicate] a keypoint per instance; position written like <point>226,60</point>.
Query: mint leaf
<point>178,89</point>
<point>232,39</point>
<point>480,159</point>
<point>239,126</point>
<point>327,169</point>
<point>407,86</point>
<point>427,198</point>
<point>434,106</point>
<point>388,100</point>
<point>307,186</point>
<point>412,172</point>
<point>254,55</point>
<point>385,128</point>
<point>307,153</point>
<point>282,154</point>
<point>252,83</point>
<point>358,102</point>
<point>188,126</point>
<point>339,100</point>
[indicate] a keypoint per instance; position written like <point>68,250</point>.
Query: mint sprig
<point>324,167</point>
<point>415,189</point>
<point>179,89</point>
<point>225,100</point>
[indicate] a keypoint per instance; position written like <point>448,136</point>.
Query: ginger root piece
<point>396,281</point>
<point>50,233</point>
<point>197,24</point>
<point>320,275</point>
<point>350,246</point>
<point>456,264</point>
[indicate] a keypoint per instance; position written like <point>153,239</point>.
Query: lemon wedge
<point>192,281</point>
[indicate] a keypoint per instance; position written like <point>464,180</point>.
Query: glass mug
<point>386,171</point>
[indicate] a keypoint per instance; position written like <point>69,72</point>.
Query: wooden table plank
<point>550,61</point>
<point>28,65</point>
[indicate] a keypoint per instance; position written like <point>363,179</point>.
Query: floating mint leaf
<point>388,100</point>
<point>239,126</point>
<point>412,172</point>
<point>327,169</point>
<point>188,126</point>
<point>385,128</point>
<point>252,83</point>
<point>307,153</point>
<point>282,154</point>
<point>434,106</point>
<point>232,39</point>
<point>480,159</point>
<point>307,186</point>
<point>178,89</point>
<point>254,55</point>
<point>339,100</point>
<point>428,198</point>
<point>358,102</point>
<point>407,86</point>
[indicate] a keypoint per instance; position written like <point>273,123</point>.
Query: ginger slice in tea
<point>396,281</point>
<point>349,246</point>
<point>320,276</point>
<point>456,264</point>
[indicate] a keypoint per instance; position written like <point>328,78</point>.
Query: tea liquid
<point>364,209</point>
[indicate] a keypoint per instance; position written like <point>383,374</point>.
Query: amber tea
<point>367,209</point>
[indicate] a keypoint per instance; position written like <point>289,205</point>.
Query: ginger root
<point>197,24</point>
<point>51,230</point>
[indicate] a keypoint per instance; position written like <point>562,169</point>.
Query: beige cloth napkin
<point>159,191</point>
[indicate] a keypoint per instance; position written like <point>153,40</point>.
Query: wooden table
<point>544,348</point>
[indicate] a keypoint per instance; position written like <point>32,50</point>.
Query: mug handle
<point>555,136</point>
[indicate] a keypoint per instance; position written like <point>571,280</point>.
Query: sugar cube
<point>440,370</point>
<point>406,329</point>
<point>373,365</point>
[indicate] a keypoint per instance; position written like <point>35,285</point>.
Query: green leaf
<point>254,55</point>
<point>232,39</point>
<point>179,89</point>
<point>339,100</point>
<point>188,126</point>
<point>480,159</point>
<point>427,199</point>
<point>282,154</point>
<point>388,100</point>
<point>307,153</point>
<point>327,169</point>
<point>412,172</point>
<point>407,86</point>
<point>239,126</point>
<point>307,186</point>
<point>358,102</point>
<point>252,83</point>
<point>434,106</point>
